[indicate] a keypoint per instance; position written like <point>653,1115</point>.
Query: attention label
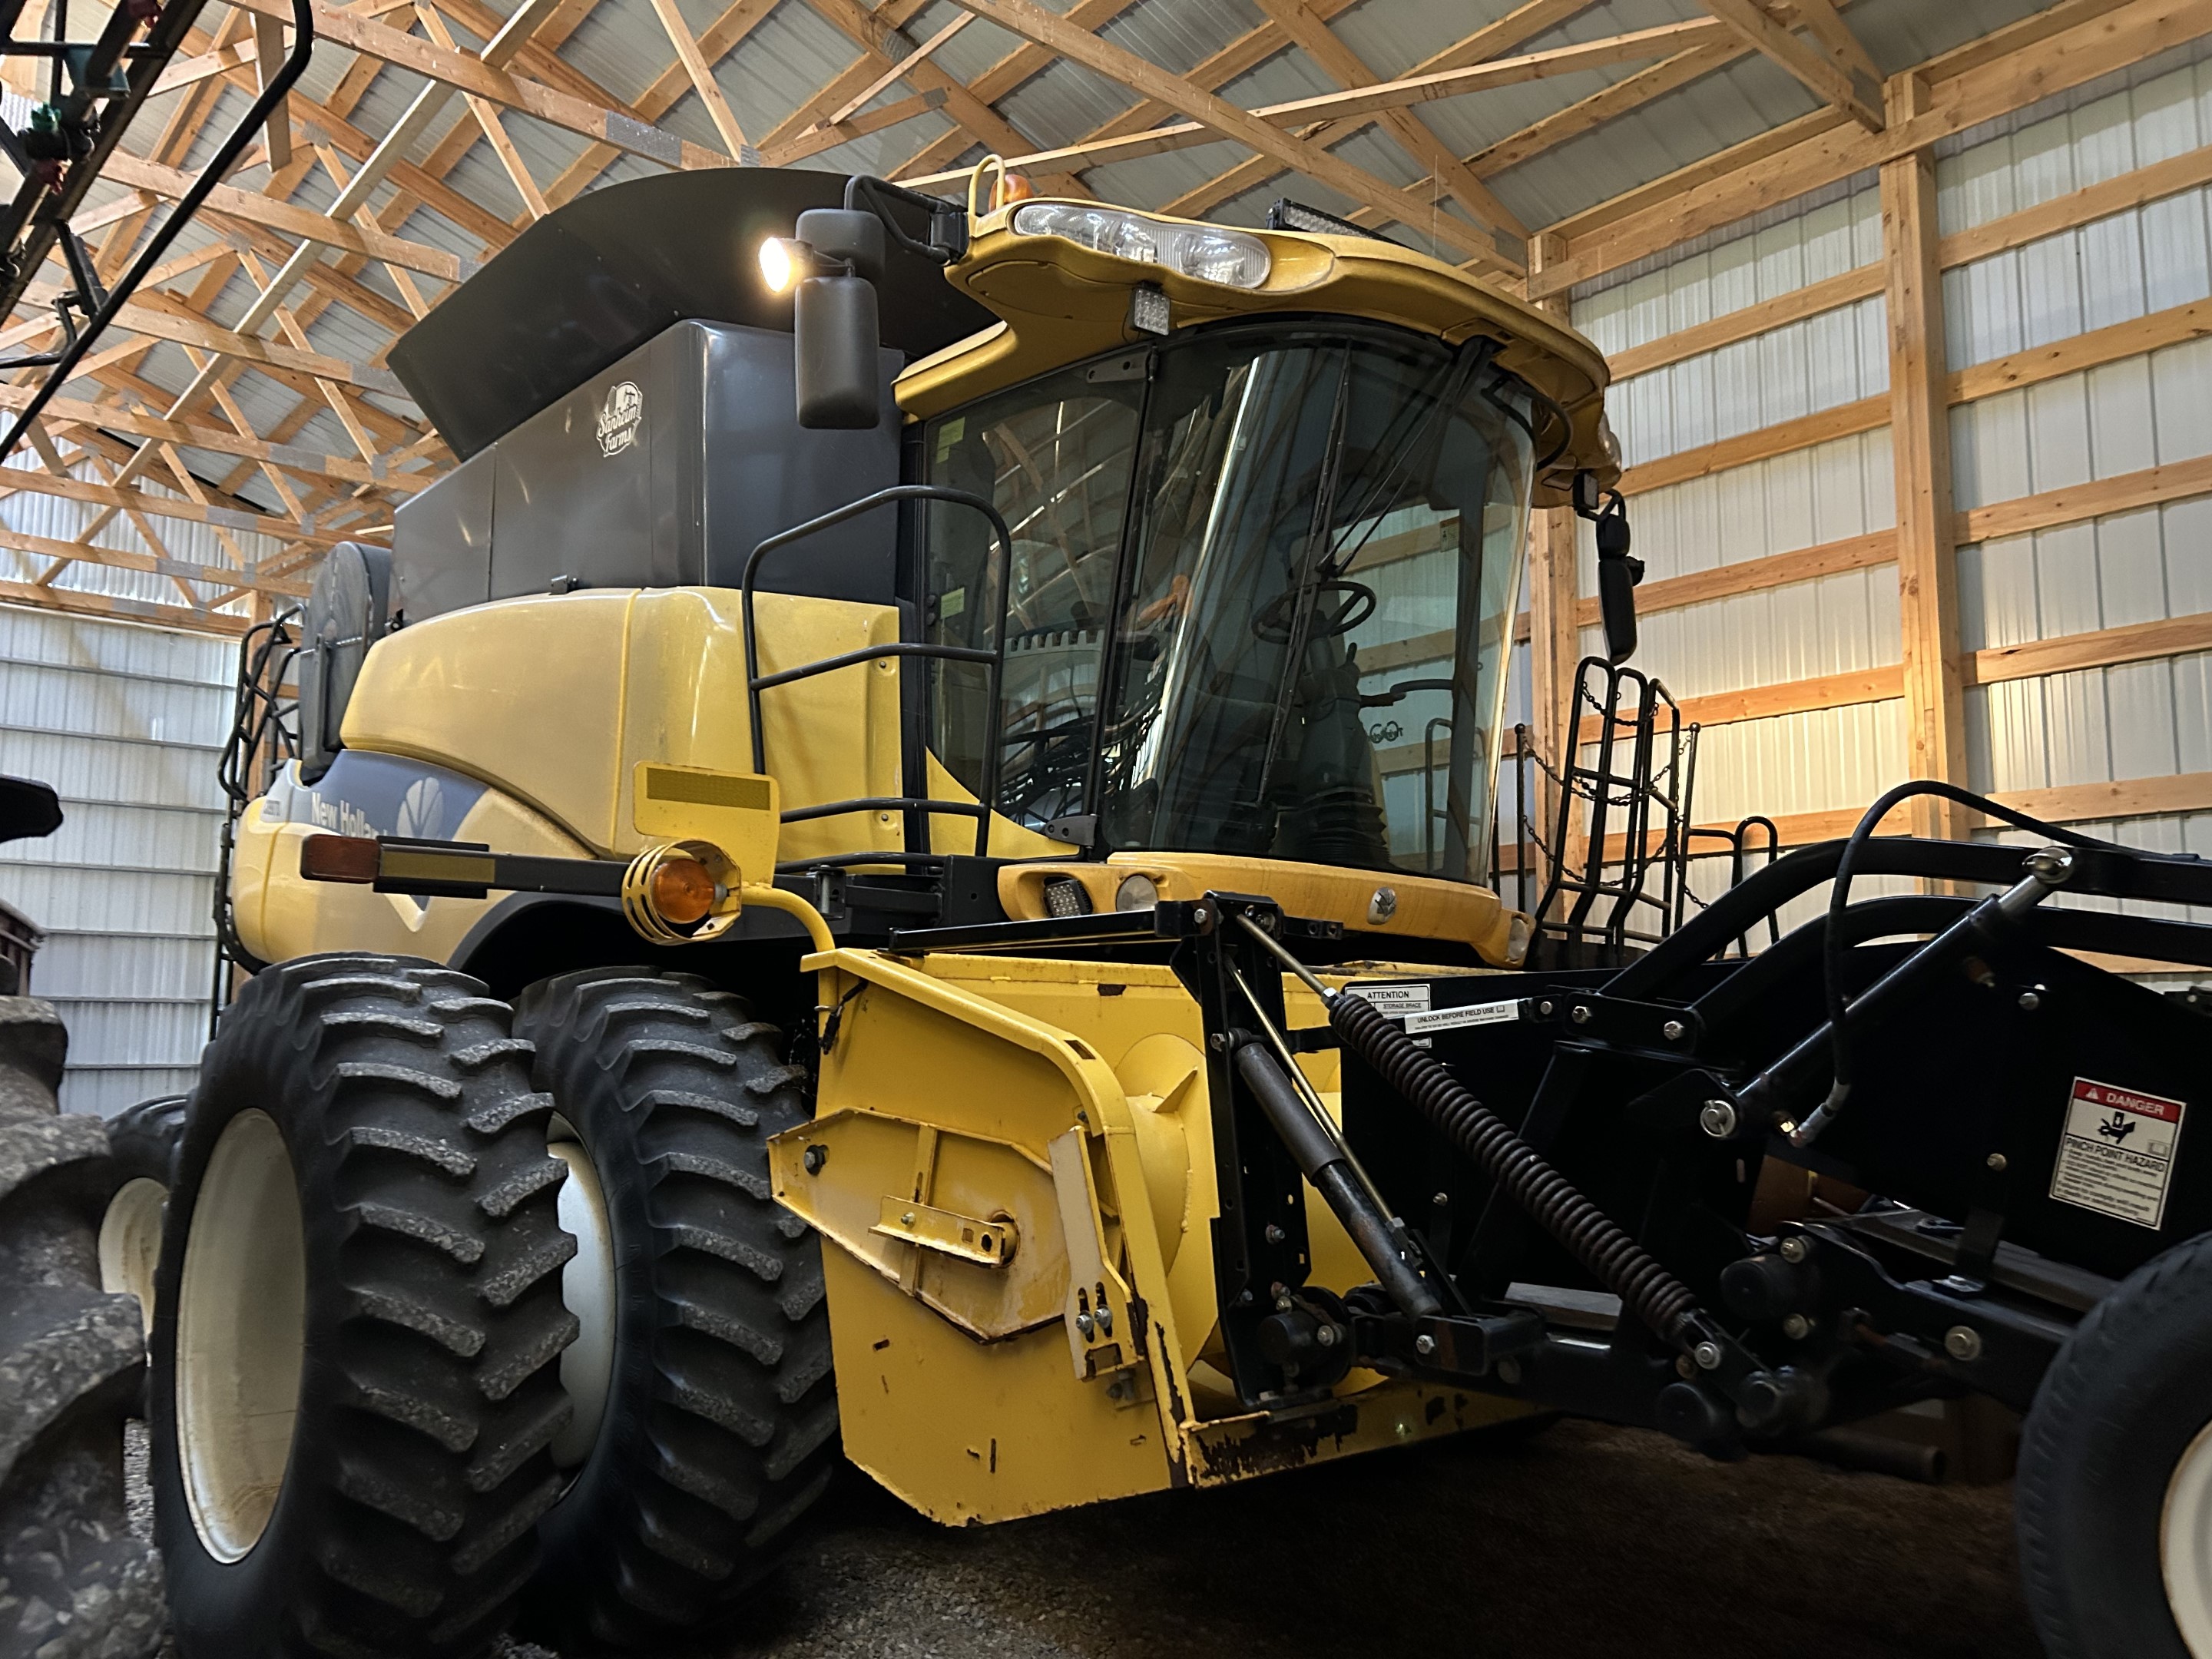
<point>2117,1154</point>
<point>1396,1000</point>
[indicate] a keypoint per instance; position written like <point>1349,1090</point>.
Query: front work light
<point>779,269</point>
<point>1208,253</point>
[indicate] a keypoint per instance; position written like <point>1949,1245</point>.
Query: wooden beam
<point>268,61</point>
<point>1554,631</point>
<point>1749,322</point>
<point>1819,74</point>
<point>2072,503</point>
<point>123,499</point>
<point>1920,445</point>
<point>2085,206</point>
<point>119,608</point>
<point>897,72</point>
<point>155,318</point>
<point>716,42</point>
<point>486,115</point>
<point>815,140</point>
<point>1725,581</point>
<point>2129,798</point>
<point>2108,38</point>
<point>2176,325</point>
<point>1822,426</point>
<point>1607,103</point>
<point>293,220</point>
<point>1345,106</point>
<point>1033,22</point>
<point>247,578</point>
<point>702,77</point>
<point>464,72</point>
<point>1313,37</point>
<point>876,32</point>
<point>1825,25</point>
<point>2103,648</point>
<point>1764,702</point>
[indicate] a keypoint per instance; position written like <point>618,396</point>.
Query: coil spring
<point>1622,1265</point>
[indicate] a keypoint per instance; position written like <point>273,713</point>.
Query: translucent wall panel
<point>124,722</point>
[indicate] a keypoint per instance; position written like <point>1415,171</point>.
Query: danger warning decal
<point>2117,1154</point>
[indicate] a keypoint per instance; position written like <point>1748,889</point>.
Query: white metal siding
<point>2130,721</point>
<point>124,722</point>
<point>1808,763</point>
<point>2141,720</point>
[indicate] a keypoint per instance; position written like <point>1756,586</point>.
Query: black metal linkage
<point>994,659</point>
<point>1103,927</point>
<point>2107,874</point>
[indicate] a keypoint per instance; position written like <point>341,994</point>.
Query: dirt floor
<point>1576,1543</point>
<point>1579,1542</point>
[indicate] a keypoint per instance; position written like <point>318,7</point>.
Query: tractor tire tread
<point>735,1416</point>
<point>74,1581</point>
<point>419,1469</point>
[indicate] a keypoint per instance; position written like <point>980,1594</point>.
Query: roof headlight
<point>1207,252</point>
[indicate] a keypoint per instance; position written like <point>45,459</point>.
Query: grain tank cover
<point>596,279</point>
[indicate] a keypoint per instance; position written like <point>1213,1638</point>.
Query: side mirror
<point>835,331</point>
<point>1618,573</point>
<point>1616,603</point>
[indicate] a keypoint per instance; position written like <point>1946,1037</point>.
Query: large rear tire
<point>74,1583</point>
<point>358,1321</point>
<point>2114,1494</point>
<point>719,1423</point>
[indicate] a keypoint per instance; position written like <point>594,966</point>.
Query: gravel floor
<point>1579,1542</point>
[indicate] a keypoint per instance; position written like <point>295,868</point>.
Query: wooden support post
<point>1554,639</point>
<point>1920,441</point>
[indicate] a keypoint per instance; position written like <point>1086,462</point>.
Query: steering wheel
<point>1272,624</point>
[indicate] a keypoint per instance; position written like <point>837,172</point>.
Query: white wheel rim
<point>241,1335</point>
<point>588,1286</point>
<point>2184,1544</point>
<point>130,1242</point>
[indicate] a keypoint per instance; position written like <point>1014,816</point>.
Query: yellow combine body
<point>1055,1111</point>
<point>641,801</point>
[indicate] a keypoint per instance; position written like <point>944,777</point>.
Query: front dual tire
<point>358,1324</point>
<point>439,1340</point>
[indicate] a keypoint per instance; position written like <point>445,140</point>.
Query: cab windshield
<point>1261,599</point>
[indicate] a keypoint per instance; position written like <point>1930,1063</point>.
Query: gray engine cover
<point>662,470</point>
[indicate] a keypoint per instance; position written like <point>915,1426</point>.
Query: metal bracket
<point>1105,1322</point>
<point>990,1243</point>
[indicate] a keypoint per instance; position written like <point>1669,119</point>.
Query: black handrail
<point>994,659</point>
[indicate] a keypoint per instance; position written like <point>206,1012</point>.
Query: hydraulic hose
<point>1620,1263</point>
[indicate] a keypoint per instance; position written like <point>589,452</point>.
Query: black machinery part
<point>1623,1267</point>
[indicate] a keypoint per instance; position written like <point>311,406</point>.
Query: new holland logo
<point>620,417</point>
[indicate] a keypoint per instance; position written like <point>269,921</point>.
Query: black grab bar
<point>757,683</point>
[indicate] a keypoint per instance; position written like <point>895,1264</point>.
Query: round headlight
<point>1138,892</point>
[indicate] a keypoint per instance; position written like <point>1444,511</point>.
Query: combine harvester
<point>892,934</point>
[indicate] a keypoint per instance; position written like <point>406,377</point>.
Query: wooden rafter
<point>1828,80</point>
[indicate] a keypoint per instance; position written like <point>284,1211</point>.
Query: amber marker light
<point>682,891</point>
<point>338,858</point>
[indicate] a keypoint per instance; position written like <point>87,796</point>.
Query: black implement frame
<point>1658,1091</point>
